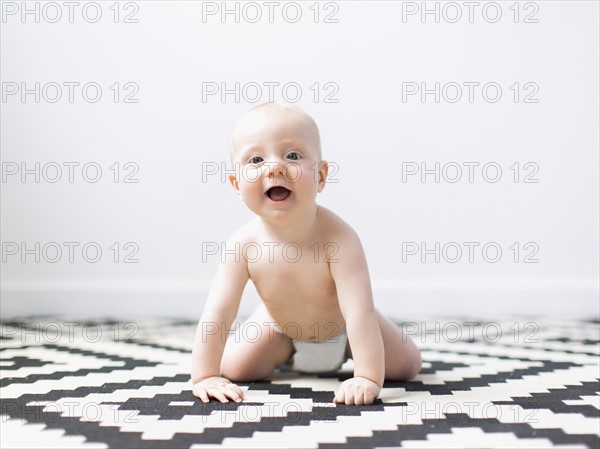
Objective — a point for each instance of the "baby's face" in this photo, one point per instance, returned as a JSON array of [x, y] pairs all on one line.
[[278, 168]]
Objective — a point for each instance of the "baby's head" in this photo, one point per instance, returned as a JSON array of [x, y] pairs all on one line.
[[275, 150], [256, 118]]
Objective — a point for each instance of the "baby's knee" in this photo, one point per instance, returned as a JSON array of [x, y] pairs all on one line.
[[404, 370], [238, 370], [416, 366]]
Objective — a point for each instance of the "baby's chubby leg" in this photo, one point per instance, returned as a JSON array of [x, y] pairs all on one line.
[[254, 358], [402, 357]]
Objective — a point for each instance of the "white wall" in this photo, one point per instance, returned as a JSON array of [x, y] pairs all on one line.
[[369, 55]]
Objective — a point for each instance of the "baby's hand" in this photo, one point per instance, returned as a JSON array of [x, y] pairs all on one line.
[[219, 388], [357, 391]]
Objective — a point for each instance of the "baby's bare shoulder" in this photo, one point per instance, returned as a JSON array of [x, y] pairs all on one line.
[[348, 253], [334, 228], [245, 234]]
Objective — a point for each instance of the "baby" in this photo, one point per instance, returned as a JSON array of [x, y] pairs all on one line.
[[307, 265]]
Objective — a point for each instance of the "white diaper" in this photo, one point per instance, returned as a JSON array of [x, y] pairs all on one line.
[[311, 357]]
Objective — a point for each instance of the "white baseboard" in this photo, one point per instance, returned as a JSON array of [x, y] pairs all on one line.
[[398, 299]]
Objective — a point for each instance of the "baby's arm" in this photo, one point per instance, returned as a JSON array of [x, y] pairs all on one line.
[[353, 285], [219, 312]]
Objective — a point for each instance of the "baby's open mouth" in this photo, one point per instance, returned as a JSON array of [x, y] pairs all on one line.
[[278, 193]]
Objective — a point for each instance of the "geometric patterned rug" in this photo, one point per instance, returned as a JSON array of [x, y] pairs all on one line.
[[519, 382]]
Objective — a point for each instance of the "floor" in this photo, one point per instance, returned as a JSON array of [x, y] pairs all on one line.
[[519, 382]]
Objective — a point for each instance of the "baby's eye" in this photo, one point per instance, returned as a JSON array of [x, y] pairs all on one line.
[[256, 160], [294, 156]]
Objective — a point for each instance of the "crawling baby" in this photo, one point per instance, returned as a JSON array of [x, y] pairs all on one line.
[[307, 265]]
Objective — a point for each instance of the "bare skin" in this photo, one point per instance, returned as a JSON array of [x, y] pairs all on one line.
[[307, 265]]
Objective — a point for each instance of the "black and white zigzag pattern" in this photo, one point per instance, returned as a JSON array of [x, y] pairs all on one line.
[[513, 383]]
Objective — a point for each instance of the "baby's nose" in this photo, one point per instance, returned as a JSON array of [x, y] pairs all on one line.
[[274, 168]]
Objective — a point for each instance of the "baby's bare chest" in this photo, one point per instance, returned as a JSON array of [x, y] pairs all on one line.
[[292, 271]]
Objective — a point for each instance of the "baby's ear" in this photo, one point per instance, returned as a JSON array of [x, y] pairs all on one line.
[[234, 184], [323, 170]]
